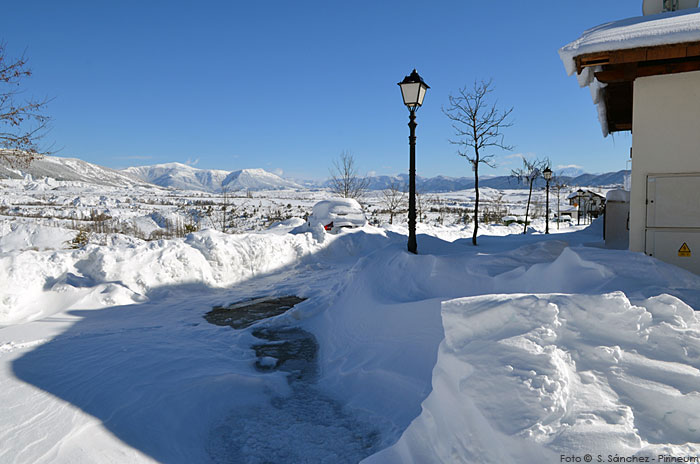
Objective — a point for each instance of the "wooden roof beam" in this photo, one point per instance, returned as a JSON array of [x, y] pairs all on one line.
[[630, 72], [638, 55]]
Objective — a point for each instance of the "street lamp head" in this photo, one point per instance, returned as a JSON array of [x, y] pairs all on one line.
[[413, 90], [547, 173]]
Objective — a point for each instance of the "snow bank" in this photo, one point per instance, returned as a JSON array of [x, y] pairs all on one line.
[[35, 284], [15, 236], [527, 378]]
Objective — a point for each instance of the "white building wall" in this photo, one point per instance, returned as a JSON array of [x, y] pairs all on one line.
[[666, 139]]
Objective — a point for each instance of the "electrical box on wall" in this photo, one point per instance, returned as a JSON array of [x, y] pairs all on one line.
[[673, 219]]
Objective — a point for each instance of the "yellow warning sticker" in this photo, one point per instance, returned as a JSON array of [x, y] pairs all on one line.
[[684, 252]]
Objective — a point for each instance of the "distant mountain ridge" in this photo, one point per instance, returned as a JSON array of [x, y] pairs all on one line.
[[183, 176], [72, 169], [180, 176], [451, 184]]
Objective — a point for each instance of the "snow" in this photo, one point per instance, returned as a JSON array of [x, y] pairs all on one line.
[[518, 350], [256, 179], [337, 213], [531, 377], [618, 195], [183, 176], [645, 31]]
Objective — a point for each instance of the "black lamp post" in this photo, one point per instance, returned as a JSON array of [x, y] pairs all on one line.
[[413, 91], [547, 173], [580, 198]]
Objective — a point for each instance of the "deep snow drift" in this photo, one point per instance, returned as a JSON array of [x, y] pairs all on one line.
[[518, 350]]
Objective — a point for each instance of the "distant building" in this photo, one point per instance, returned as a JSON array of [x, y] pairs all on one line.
[[588, 202], [644, 75]]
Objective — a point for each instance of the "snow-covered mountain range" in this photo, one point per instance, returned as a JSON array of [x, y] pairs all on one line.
[[185, 177], [72, 169], [180, 176], [450, 184]]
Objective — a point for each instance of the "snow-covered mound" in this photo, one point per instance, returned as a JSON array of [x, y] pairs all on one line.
[[527, 378], [37, 284], [180, 176], [72, 169], [256, 179]]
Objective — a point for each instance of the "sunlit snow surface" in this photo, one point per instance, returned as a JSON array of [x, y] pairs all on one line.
[[517, 350]]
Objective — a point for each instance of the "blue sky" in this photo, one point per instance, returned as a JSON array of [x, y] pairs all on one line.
[[287, 86]]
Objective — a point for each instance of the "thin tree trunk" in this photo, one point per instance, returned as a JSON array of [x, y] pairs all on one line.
[[476, 202], [527, 209]]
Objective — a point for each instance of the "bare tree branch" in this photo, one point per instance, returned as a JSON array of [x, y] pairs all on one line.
[[22, 123], [345, 180], [394, 199], [478, 126], [528, 174]]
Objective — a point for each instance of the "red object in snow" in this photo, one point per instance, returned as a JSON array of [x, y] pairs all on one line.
[[328, 226]]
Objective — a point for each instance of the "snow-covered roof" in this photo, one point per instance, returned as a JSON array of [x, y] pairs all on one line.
[[644, 31], [618, 195], [591, 193]]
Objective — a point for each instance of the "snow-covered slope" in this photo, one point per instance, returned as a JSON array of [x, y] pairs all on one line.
[[256, 179], [569, 171], [180, 176], [72, 169]]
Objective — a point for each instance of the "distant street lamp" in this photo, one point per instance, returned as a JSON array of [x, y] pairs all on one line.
[[547, 173], [579, 197], [589, 210], [413, 90]]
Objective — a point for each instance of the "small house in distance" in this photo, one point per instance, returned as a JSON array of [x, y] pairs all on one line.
[[644, 76], [588, 202]]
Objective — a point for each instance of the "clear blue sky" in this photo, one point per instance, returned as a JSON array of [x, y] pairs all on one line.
[[287, 86]]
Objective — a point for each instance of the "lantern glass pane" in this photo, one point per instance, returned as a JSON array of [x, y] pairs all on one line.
[[410, 93], [421, 93]]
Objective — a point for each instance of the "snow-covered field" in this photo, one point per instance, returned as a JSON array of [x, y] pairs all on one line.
[[520, 350]]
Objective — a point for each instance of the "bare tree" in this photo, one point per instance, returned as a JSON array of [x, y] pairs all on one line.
[[558, 186], [345, 180], [528, 174], [22, 123], [420, 205], [228, 209], [394, 199], [440, 209], [477, 124]]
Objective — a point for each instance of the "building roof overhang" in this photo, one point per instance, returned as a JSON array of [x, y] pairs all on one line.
[[618, 69], [610, 57]]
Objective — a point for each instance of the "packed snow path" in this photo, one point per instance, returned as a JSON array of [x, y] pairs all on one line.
[[260, 434], [329, 434]]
